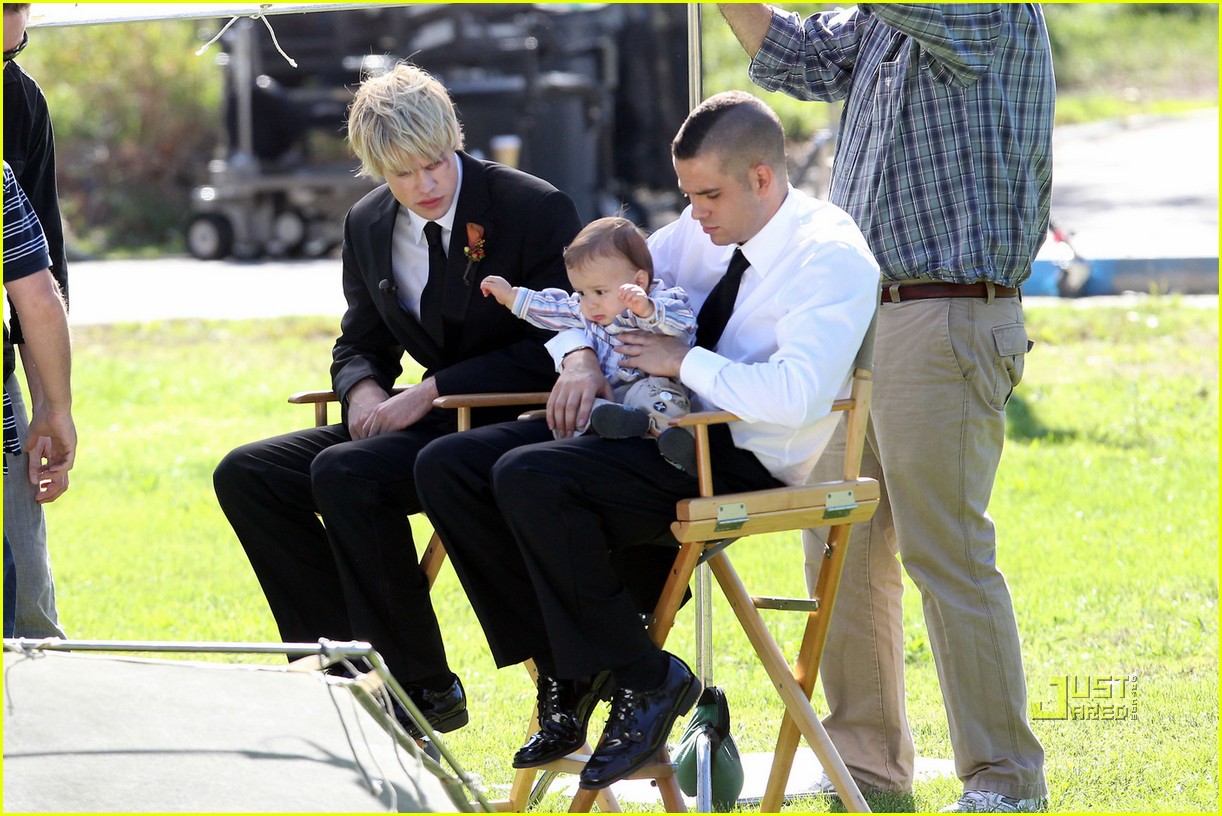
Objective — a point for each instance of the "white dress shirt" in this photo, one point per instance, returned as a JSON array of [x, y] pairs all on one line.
[[409, 254], [787, 353]]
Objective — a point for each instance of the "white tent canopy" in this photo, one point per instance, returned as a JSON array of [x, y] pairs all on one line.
[[89, 733], [63, 14]]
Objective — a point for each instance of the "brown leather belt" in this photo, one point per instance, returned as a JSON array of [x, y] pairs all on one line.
[[898, 293]]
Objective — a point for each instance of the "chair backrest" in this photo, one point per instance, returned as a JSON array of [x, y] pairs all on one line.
[[857, 406]]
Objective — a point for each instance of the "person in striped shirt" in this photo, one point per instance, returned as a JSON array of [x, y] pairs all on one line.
[[51, 442], [614, 291], [29, 148]]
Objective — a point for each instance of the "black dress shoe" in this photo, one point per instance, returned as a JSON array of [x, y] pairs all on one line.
[[445, 710], [564, 712], [638, 726]]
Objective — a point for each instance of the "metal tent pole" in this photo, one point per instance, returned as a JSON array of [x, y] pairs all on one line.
[[703, 597]]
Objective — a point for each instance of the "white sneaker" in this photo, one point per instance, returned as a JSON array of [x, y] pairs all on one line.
[[982, 801]]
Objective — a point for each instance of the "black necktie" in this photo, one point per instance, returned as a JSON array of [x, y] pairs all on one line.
[[434, 288], [715, 312]]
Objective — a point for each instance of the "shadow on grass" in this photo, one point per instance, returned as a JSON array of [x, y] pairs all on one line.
[[1023, 425], [879, 802]]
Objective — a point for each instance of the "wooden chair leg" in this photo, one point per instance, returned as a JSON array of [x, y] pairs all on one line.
[[672, 593], [583, 801], [806, 669], [519, 791], [432, 559], [782, 765], [672, 795], [607, 802], [797, 704]]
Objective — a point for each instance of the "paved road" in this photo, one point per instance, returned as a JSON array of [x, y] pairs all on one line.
[[1147, 188], [136, 291], [1142, 189]]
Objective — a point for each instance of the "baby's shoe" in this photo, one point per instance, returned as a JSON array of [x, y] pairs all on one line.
[[612, 421], [678, 447]]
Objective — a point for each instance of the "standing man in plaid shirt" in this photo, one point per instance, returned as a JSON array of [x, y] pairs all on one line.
[[944, 160]]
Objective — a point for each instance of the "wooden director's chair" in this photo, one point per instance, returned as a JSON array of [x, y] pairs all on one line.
[[434, 554], [704, 528]]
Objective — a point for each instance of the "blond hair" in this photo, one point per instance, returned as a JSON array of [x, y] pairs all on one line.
[[399, 118]]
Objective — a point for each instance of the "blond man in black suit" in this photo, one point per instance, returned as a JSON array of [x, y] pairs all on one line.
[[414, 252]]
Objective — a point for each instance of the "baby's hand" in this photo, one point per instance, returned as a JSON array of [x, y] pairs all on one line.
[[498, 288], [636, 300]]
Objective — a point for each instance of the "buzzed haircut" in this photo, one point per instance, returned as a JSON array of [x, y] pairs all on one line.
[[736, 125], [609, 237], [401, 116]]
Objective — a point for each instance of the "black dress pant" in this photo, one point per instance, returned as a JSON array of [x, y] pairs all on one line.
[[537, 528], [355, 573]]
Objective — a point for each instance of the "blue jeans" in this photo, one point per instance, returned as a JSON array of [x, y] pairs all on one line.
[[26, 529]]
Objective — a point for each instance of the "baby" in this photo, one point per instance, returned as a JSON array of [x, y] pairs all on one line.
[[611, 272]]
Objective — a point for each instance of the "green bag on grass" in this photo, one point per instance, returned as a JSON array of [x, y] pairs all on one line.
[[711, 716]]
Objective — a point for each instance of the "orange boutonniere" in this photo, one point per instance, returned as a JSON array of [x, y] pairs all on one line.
[[474, 250]]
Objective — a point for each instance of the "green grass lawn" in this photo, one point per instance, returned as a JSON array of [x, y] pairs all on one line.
[[1107, 506]]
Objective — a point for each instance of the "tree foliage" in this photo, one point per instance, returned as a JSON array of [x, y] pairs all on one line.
[[136, 117]]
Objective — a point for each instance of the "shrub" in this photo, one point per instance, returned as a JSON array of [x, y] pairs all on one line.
[[136, 116]]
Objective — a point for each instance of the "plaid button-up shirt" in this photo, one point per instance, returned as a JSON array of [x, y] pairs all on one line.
[[944, 156]]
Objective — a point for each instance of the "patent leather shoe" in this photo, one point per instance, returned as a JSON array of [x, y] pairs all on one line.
[[564, 712], [638, 726], [445, 710]]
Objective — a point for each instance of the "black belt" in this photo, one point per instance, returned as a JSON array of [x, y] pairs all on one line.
[[898, 293]]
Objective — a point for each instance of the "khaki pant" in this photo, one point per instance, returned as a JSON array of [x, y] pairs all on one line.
[[943, 372]]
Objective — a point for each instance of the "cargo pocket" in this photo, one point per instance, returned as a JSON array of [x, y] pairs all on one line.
[[1010, 341]]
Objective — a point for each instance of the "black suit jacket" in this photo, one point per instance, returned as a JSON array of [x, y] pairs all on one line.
[[527, 223]]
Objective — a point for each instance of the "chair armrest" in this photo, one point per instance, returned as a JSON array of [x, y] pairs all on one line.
[[719, 417], [321, 399], [463, 403], [703, 418], [491, 400], [699, 422], [312, 397]]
